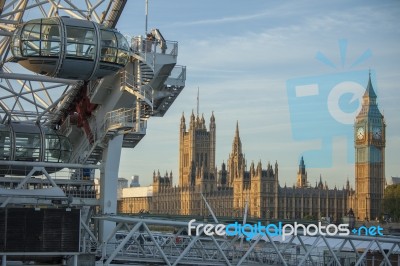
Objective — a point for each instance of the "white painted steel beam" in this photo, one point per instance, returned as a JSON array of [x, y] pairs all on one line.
[[123, 243], [16, 76], [198, 250], [157, 245], [253, 245], [49, 165], [109, 183]]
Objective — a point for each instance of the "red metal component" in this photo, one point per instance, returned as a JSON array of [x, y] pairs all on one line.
[[83, 111]]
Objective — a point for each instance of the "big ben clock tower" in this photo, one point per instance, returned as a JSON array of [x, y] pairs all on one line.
[[369, 140]]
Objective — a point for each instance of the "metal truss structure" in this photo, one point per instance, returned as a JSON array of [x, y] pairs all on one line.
[[27, 96], [141, 240], [99, 117], [95, 117]]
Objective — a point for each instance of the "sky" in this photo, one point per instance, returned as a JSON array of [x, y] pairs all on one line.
[[248, 58]]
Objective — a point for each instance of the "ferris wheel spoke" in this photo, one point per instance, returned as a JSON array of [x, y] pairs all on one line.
[[18, 11], [50, 108], [27, 88], [18, 100], [28, 96], [11, 4], [34, 98], [14, 95], [4, 44], [42, 10], [7, 29], [5, 109], [92, 10], [45, 90], [79, 14]]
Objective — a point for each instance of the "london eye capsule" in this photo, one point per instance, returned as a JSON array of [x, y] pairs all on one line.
[[26, 142], [69, 48]]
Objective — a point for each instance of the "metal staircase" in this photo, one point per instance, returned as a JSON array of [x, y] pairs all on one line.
[[145, 73], [146, 87], [97, 116]]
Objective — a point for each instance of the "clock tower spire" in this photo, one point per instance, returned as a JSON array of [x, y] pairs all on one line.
[[369, 141]]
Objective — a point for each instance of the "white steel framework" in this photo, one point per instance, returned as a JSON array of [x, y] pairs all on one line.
[[102, 116], [27, 96], [133, 241], [99, 116]]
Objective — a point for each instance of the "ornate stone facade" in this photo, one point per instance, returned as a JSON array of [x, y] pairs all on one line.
[[229, 190], [232, 187]]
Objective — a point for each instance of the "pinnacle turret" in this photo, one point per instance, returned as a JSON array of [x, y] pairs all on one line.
[[212, 118], [369, 92], [237, 130], [183, 118]]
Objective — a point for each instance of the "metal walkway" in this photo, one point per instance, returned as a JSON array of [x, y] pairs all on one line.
[[155, 241]]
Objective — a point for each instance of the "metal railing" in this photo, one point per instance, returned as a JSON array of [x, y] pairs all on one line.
[[141, 45], [38, 184], [166, 244], [120, 119], [124, 119], [177, 76], [178, 73], [142, 92]]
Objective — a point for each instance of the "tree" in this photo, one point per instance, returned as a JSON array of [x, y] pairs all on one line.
[[391, 201]]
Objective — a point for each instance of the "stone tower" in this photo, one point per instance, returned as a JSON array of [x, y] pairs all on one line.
[[236, 174], [197, 152], [302, 175], [369, 141], [236, 161]]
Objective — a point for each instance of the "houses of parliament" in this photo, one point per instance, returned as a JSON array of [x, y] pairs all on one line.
[[234, 185]]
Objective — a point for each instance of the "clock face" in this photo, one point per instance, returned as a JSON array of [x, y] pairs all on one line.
[[360, 133], [377, 133]]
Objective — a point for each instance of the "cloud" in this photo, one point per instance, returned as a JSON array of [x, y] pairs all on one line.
[[221, 20], [291, 42], [241, 61]]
